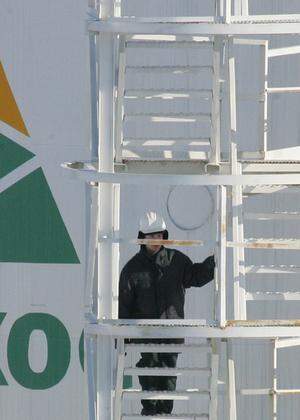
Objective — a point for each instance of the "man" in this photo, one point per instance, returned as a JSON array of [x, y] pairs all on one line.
[[152, 286]]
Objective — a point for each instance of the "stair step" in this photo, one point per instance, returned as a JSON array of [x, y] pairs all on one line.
[[167, 348], [266, 243], [168, 69], [167, 43], [167, 93], [273, 216], [168, 117], [294, 296], [172, 143], [165, 395], [272, 269], [166, 371], [166, 417]]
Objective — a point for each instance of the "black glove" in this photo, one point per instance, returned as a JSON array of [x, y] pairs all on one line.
[[210, 262]]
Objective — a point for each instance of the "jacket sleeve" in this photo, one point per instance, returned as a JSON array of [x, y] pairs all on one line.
[[126, 296], [198, 274]]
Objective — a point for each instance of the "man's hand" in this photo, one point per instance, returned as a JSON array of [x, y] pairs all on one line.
[[210, 262]]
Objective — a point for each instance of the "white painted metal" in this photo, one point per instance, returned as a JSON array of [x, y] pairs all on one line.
[[243, 26], [279, 52], [167, 348], [238, 22], [260, 243], [237, 217], [120, 91], [254, 329], [166, 371], [213, 405], [215, 153], [231, 382], [168, 93], [105, 249], [221, 255], [274, 399], [167, 417], [272, 269], [90, 175], [119, 380], [166, 395]]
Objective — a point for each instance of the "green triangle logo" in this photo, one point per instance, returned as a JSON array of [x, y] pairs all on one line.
[[11, 155], [31, 227]]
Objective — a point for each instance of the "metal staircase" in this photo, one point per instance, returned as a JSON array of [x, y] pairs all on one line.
[[209, 372], [147, 128], [144, 140]]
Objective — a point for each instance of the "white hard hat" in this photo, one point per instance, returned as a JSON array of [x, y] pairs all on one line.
[[152, 222]]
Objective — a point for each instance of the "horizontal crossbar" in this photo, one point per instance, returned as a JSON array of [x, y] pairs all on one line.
[[166, 395], [91, 175], [188, 27], [165, 371]]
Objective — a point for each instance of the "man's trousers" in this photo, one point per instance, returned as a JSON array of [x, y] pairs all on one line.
[[157, 383]]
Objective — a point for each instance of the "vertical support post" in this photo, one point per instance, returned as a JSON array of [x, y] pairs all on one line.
[[221, 8], [105, 248], [231, 382], [264, 97], [245, 7], [237, 7], [213, 406], [119, 380], [237, 197], [228, 11], [215, 125], [274, 385], [91, 377], [92, 246], [120, 99], [116, 250], [221, 263]]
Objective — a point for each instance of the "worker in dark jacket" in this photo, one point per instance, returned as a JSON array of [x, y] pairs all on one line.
[[152, 286]]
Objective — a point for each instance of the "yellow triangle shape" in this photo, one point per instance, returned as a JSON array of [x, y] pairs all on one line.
[[9, 111]]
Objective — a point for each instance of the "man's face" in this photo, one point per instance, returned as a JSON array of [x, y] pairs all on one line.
[[152, 249]]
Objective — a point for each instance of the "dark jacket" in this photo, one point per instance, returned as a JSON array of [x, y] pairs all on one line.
[[153, 287]]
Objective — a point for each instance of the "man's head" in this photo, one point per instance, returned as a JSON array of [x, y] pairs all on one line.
[[152, 226]]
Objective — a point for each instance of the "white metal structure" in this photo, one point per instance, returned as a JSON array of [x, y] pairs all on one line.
[[151, 160]]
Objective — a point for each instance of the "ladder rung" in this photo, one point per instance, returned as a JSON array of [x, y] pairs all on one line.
[[279, 52], [287, 391], [170, 117], [270, 189], [295, 296], [262, 243], [142, 43], [165, 395], [255, 391], [273, 216], [287, 89], [287, 343], [167, 93], [168, 69], [168, 242], [166, 348], [272, 269], [172, 38], [272, 18], [166, 417], [165, 371], [171, 142]]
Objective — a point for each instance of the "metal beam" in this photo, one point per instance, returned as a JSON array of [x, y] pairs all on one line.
[[127, 26]]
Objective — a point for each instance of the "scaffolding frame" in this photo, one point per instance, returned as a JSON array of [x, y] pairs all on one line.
[[108, 34]]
